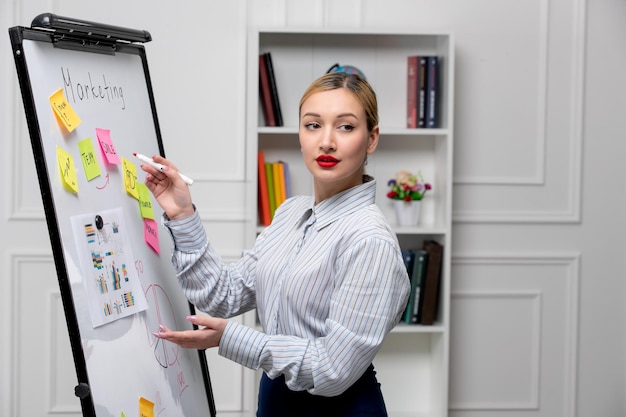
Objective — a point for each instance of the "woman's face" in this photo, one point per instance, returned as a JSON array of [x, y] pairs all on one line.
[[335, 141]]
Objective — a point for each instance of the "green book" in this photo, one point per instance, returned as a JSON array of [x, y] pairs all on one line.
[[412, 312], [269, 172]]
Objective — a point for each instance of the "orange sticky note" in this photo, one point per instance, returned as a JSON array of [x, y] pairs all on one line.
[[130, 177], [146, 408], [89, 159], [151, 234], [106, 144], [68, 170], [64, 112]]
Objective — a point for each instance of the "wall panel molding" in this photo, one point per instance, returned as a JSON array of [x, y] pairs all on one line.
[[528, 395], [491, 287], [551, 191]]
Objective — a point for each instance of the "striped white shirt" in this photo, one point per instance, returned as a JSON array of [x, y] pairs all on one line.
[[328, 282]]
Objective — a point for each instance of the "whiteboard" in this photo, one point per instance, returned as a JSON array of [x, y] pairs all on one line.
[[98, 232]]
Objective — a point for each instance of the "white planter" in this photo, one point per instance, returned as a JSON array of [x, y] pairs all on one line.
[[407, 213]]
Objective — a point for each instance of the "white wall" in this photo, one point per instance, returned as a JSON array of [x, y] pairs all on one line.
[[538, 265]]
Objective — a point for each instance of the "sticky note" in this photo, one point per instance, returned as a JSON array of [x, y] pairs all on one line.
[[145, 204], [151, 234], [88, 156], [146, 408], [130, 177], [68, 170], [63, 111], [106, 144]]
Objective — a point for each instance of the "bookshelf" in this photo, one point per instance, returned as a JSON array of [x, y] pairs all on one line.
[[414, 353]]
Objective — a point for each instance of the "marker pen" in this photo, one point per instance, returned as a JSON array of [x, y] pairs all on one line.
[[160, 167]]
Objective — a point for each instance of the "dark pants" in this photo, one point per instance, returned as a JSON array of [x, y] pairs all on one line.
[[364, 398]]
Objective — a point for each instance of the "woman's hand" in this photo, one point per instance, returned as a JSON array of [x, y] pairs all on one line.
[[170, 191], [205, 337]]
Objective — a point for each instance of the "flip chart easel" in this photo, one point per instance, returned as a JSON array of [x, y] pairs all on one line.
[[89, 106]]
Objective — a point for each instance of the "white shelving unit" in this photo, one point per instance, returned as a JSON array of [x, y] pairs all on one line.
[[413, 363]]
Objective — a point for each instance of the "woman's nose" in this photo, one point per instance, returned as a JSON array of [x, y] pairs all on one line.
[[327, 140]]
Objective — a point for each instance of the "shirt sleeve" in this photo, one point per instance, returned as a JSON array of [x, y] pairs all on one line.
[[219, 289], [369, 300]]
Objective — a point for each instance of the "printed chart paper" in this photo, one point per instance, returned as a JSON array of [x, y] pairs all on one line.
[[106, 260]]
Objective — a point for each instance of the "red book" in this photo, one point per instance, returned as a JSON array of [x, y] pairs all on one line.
[[411, 91], [264, 203], [265, 93]]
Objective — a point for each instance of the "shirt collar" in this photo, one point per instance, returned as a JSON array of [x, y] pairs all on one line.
[[342, 204]]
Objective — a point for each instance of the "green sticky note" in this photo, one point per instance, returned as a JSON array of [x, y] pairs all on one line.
[[89, 159], [145, 204]]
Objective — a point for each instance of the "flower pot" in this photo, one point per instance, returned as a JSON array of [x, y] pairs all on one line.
[[407, 212]]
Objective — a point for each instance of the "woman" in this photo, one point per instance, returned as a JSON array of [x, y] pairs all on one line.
[[326, 277]]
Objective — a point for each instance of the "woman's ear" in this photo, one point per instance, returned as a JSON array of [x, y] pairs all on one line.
[[373, 139]]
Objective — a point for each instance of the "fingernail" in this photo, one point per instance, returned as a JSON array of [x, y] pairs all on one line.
[[166, 168], [161, 328], [191, 318], [159, 335]]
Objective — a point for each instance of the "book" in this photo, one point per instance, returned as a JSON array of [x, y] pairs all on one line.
[[287, 179], [269, 173], [432, 92], [281, 177], [273, 89], [411, 91], [265, 93], [421, 91], [278, 198], [432, 282], [409, 258], [412, 312], [263, 198]]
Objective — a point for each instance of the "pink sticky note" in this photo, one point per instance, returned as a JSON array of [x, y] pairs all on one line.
[[151, 234], [104, 138]]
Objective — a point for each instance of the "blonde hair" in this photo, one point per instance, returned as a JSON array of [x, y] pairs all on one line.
[[352, 82]]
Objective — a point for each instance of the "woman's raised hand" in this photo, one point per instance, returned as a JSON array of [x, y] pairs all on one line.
[[169, 189]]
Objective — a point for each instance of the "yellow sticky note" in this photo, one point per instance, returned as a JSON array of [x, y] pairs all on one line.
[[146, 408], [130, 177], [145, 204], [88, 156], [68, 170], [64, 112]]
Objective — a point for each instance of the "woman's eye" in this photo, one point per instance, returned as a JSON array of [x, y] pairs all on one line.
[[347, 128], [311, 125]]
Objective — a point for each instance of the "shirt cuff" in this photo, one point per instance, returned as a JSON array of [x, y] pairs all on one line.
[[242, 344], [188, 233]]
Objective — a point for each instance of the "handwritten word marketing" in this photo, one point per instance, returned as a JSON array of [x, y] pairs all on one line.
[[88, 88]]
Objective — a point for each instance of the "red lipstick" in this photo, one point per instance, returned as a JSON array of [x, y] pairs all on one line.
[[326, 161]]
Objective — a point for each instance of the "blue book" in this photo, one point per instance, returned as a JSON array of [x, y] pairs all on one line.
[[432, 92], [287, 179]]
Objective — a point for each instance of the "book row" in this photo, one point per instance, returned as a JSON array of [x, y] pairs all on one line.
[[423, 85], [274, 187], [424, 268]]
